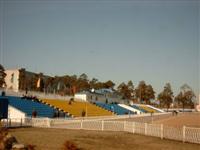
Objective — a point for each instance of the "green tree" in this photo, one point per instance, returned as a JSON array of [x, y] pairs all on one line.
[[186, 97], [22, 79], [140, 91], [34, 81], [144, 93], [149, 94], [131, 88], [166, 96], [83, 77], [125, 90], [49, 85], [83, 82], [41, 86], [109, 84], [93, 83], [2, 76]]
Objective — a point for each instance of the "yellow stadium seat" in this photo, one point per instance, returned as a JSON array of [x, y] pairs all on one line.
[[148, 109], [76, 108]]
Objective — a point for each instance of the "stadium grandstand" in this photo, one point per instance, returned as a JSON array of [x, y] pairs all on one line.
[[59, 106]]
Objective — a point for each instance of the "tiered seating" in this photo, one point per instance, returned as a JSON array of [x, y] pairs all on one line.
[[76, 108], [114, 108], [148, 109], [28, 106], [139, 108]]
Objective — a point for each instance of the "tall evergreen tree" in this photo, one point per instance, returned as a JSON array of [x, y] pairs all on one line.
[[186, 97], [166, 96], [2, 76]]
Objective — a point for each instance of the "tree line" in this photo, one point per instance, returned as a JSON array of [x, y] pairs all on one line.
[[69, 85]]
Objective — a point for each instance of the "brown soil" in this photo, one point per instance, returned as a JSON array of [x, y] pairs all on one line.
[[182, 119], [53, 139], [189, 120]]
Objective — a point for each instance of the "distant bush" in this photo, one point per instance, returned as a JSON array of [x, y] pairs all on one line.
[[6, 140], [9, 142], [31, 147], [69, 145]]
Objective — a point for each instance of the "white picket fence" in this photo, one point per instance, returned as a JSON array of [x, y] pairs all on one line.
[[184, 134]]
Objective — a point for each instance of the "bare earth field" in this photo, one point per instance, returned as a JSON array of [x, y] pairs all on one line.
[[187, 119], [53, 139]]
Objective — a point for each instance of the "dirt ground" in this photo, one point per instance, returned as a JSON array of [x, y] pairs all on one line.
[[183, 119], [53, 139], [189, 120]]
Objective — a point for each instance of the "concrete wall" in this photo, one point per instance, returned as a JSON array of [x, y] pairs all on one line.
[[12, 79], [15, 113]]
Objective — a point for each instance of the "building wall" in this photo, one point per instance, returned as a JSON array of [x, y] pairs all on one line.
[[93, 97], [82, 97], [12, 79]]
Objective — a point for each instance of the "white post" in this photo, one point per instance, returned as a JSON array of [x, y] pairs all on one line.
[[124, 125], [161, 131], [145, 129], [102, 127], [48, 123], [133, 126], [81, 123], [184, 133]]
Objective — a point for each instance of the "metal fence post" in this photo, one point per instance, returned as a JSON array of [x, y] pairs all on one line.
[[133, 126], [161, 131], [102, 127], [184, 133]]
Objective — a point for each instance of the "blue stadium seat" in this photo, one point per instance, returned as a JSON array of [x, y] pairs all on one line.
[[138, 108], [114, 108], [28, 106]]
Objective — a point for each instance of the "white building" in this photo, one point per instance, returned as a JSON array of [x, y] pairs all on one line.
[[81, 96], [101, 95], [12, 79], [20, 79]]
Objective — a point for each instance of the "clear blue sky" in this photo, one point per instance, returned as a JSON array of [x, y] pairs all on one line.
[[156, 41]]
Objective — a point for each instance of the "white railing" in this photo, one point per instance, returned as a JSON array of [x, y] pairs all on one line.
[[184, 134], [16, 122], [192, 135]]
